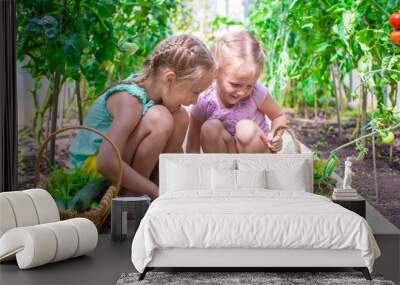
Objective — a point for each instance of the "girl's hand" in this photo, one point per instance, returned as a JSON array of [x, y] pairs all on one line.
[[174, 109], [153, 196], [273, 143]]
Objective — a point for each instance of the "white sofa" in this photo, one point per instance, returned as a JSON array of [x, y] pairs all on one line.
[[31, 231]]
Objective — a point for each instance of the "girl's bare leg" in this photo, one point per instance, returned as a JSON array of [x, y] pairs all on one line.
[[181, 124], [248, 137], [148, 140], [175, 141], [215, 139]]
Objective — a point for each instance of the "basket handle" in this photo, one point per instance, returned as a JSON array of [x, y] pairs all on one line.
[[292, 135], [44, 145]]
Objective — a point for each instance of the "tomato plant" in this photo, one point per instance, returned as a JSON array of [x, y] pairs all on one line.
[[313, 46], [307, 40]]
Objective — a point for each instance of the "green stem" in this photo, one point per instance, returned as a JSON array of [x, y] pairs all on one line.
[[382, 69], [380, 8], [360, 138]]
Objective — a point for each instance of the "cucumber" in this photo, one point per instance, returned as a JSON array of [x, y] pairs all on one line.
[[88, 194]]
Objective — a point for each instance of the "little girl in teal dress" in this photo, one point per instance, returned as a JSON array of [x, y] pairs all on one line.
[[87, 144], [143, 116]]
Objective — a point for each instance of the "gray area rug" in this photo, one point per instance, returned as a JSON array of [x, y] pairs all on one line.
[[273, 278]]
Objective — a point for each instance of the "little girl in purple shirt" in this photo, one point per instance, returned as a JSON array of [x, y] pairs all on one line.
[[231, 116]]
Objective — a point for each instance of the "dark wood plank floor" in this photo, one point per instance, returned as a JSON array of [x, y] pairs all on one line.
[[102, 266], [110, 259]]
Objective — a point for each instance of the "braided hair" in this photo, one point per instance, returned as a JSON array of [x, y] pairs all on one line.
[[184, 54]]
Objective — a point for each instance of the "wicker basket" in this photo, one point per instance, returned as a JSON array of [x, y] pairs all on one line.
[[100, 213], [292, 135]]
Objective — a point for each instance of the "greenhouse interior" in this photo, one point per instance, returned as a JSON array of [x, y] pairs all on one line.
[[200, 142]]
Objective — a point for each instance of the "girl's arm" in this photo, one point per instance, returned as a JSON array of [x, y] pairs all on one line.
[[274, 112], [126, 112], [277, 116], [193, 142]]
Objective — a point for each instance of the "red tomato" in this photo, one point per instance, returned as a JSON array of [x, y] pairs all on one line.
[[395, 37], [394, 20]]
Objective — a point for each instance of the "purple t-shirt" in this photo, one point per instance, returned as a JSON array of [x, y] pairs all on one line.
[[207, 108]]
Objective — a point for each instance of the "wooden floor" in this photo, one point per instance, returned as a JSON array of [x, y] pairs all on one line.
[[102, 266], [387, 236], [110, 259]]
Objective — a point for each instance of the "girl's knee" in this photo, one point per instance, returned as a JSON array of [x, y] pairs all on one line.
[[159, 119], [211, 130], [245, 131]]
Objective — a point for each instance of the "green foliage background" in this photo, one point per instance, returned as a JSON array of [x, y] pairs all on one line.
[[305, 39], [97, 42], [93, 42]]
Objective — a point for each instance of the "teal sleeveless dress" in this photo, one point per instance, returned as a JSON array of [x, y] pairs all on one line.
[[87, 143]]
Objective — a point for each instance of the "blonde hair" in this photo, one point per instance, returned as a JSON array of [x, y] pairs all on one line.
[[184, 54], [238, 45]]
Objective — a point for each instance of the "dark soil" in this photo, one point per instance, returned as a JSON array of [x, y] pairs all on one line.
[[322, 136], [28, 151]]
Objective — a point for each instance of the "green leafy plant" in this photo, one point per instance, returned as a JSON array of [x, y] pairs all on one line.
[[63, 184], [385, 121], [312, 45], [88, 41], [382, 119], [323, 170]]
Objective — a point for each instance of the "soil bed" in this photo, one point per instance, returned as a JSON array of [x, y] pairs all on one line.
[[322, 136]]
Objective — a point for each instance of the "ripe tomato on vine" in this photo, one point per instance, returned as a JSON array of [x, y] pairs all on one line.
[[394, 20], [395, 37]]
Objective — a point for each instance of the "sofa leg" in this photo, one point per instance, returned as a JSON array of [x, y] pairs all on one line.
[[364, 271]]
